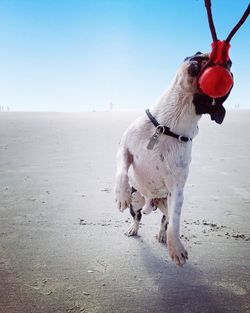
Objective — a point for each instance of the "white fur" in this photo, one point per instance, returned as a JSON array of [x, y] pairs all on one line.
[[147, 208], [161, 172]]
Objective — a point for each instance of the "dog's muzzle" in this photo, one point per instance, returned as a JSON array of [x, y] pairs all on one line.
[[197, 62]]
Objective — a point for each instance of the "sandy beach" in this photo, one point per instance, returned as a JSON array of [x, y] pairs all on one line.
[[62, 242]]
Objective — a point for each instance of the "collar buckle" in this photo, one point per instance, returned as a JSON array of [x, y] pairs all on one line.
[[161, 129]]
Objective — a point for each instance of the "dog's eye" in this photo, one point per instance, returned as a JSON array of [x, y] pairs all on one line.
[[194, 68]]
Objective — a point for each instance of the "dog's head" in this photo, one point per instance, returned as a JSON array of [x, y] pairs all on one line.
[[189, 71], [203, 103]]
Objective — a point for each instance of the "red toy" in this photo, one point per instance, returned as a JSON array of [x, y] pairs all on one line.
[[215, 80]]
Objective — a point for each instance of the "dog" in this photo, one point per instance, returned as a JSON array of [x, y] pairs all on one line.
[[155, 153]]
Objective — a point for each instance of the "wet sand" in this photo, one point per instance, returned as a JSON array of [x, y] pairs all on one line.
[[62, 242]]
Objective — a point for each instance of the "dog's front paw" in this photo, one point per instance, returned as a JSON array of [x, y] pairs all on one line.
[[123, 201], [123, 198], [176, 250], [123, 195]]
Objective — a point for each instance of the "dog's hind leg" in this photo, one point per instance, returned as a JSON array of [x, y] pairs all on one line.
[[162, 205], [136, 205]]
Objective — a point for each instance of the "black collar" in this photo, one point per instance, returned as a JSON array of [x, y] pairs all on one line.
[[165, 130]]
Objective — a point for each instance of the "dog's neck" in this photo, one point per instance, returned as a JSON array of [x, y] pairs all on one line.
[[175, 109]]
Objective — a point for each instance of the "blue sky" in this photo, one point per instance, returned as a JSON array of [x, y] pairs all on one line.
[[78, 55]]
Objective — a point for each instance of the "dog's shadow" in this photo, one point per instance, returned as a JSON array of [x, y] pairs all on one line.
[[173, 289]]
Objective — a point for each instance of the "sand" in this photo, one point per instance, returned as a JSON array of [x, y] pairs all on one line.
[[62, 242]]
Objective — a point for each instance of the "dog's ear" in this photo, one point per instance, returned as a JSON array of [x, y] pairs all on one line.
[[218, 113], [204, 105], [193, 56]]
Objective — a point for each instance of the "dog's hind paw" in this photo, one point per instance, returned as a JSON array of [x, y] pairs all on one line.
[[162, 237], [133, 230]]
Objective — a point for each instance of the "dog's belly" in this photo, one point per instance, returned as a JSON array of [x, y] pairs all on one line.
[[154, 174], [150, 183]]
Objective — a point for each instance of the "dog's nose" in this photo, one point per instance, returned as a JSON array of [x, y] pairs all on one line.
[[194, 68]]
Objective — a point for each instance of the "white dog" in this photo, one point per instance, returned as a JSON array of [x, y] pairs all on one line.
[[155, 152]]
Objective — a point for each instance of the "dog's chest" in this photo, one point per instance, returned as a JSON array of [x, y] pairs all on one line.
[[154, 172]]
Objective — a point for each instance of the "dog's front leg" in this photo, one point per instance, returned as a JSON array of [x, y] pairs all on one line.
[[175, 247], [122, 188]]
